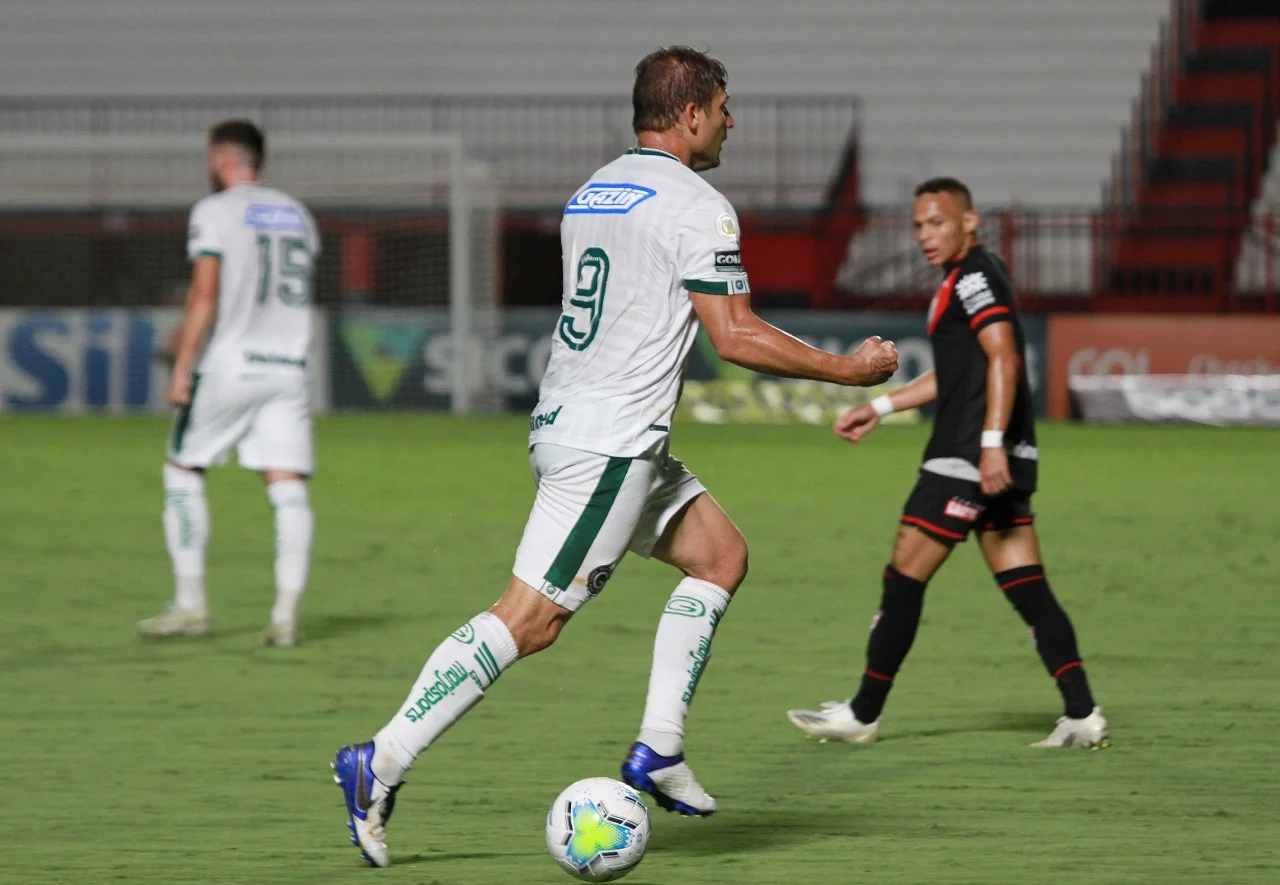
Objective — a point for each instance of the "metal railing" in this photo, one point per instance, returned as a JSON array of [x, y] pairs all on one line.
[[1057, 257], [1068, 254], [781, 155]]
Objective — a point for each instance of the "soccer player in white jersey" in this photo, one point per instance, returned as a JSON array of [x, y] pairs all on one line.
[[252, 250], [650, 249]]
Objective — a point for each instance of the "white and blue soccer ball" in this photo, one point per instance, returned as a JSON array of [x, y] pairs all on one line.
[[597, 829]]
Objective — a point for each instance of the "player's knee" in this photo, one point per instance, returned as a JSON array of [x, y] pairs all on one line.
[[534, 638], [727, 566], [532, 628], [901, 592], [917, 554], [178, 475]]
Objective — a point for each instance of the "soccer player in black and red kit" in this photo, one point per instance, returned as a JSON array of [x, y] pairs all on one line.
[[978, 475]]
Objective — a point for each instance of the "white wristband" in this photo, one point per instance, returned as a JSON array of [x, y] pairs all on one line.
[[993, 439], [883, 405]]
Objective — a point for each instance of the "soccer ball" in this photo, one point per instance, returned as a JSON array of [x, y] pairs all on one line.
[[597, 829]]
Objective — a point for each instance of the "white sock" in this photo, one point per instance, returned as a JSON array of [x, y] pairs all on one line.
[[681, 650], [186, 533], [452, 682], [295, 525]]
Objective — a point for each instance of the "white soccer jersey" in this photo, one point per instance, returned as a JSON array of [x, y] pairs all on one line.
[[640, 235], [268, 244]]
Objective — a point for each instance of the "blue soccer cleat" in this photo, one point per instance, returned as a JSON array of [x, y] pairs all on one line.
[[369, 801], [668, 779]]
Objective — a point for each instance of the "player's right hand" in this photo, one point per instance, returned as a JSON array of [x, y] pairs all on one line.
[[179, 392], [875, 361], [856, 423]]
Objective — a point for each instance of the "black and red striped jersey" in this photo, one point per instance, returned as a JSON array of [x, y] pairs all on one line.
[[975, 294]]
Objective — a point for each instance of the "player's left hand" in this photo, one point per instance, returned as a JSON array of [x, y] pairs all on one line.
[[993, 466], [856, 423], [179, 392]]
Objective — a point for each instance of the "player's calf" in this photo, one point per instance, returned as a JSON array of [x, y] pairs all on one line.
[[1028, 592], [295, 526], [186, 534], [892, 634], [533, 620]]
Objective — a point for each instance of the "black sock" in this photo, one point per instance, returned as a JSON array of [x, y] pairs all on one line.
[[894, 630], [1028, 591]]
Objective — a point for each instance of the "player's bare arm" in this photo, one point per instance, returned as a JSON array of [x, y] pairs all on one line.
[[856, 423], [744, 339], [1003, 365], [202, 307]]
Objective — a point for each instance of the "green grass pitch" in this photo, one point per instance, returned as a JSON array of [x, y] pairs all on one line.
[[207, 760]]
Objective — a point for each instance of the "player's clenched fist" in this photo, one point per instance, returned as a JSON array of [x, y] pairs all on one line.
[[875, 361]]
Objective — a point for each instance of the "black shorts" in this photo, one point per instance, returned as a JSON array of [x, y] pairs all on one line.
[[947, 508]]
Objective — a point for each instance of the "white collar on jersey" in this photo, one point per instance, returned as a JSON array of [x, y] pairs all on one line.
[[651, 152]]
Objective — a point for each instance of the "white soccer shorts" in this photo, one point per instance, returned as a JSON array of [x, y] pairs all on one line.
[[265, 417], [589, 511]]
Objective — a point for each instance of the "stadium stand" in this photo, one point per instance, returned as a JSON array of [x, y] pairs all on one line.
[[1194, 159], [1024, 98]]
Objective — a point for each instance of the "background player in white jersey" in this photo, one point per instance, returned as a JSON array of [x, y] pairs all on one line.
[[649, 250], [252, 250]]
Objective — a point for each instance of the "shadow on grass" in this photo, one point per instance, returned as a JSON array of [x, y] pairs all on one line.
[[738, 833], [334, 626], [312, 629], [452, 855], [1024, 721]]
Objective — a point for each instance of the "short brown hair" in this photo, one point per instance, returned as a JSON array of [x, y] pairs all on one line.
[[944, 185], [243, 134], [669, 78]]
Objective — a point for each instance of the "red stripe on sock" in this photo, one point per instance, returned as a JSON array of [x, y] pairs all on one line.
[[874, 675], [1039, 577], [1065, 667], [915, 520]]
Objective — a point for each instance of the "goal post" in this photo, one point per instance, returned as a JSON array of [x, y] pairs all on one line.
[[420, 194]]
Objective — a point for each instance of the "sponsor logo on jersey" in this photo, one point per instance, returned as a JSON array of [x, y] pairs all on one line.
[[959, 508], [974, 292], [608, 199], [274, 359], [273, 217], [729, 262], [544, 419], [726, 227]]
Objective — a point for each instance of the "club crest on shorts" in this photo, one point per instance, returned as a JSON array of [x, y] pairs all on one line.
[[598, 578]]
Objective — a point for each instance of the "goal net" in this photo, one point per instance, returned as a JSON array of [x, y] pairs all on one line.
[[408, 221]]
